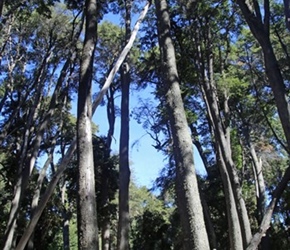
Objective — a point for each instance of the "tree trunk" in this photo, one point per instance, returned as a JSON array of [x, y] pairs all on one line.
[[124, 173], [106, 223], [36, 195], [265, 224], [65, 219], [45, 197], [188, 199], [261, 31], [1, 7], [208, 223], [87, 210], [260, 192], [234, 230], [106, 234]]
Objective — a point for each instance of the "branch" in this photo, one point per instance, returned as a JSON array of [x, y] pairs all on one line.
[[255, 23], [265, 224]]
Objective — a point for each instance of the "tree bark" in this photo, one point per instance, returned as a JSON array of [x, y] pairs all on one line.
[[208, 223], [44, 199], [1, 7], [124, 172], [87, 210], [234, 230], [65, 219], [265, 224], [188, 199]]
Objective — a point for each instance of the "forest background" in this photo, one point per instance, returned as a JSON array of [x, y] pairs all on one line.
[[210, 75]]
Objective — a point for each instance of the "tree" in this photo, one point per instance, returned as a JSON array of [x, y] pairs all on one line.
[[124, 173], [189, 204], [87, 210]]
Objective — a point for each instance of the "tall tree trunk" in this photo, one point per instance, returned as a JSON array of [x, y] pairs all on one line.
[[1, 7], [106, 223], [240, 202], [260, 193], [87, 210], [235, 234], [65, 218], [208, 223], [188, 199], [124, 173], [36, 196]]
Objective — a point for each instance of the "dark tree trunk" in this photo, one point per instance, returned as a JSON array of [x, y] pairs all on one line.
[[106, 223], [124, 173]]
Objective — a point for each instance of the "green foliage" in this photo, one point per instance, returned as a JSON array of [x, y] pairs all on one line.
[[150, 220]]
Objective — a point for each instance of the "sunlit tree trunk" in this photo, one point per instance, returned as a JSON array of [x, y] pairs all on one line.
[[87, 210], [188, 199], [234, 228], [65, 218], [43, 125], [260, 186], [36, 196]]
